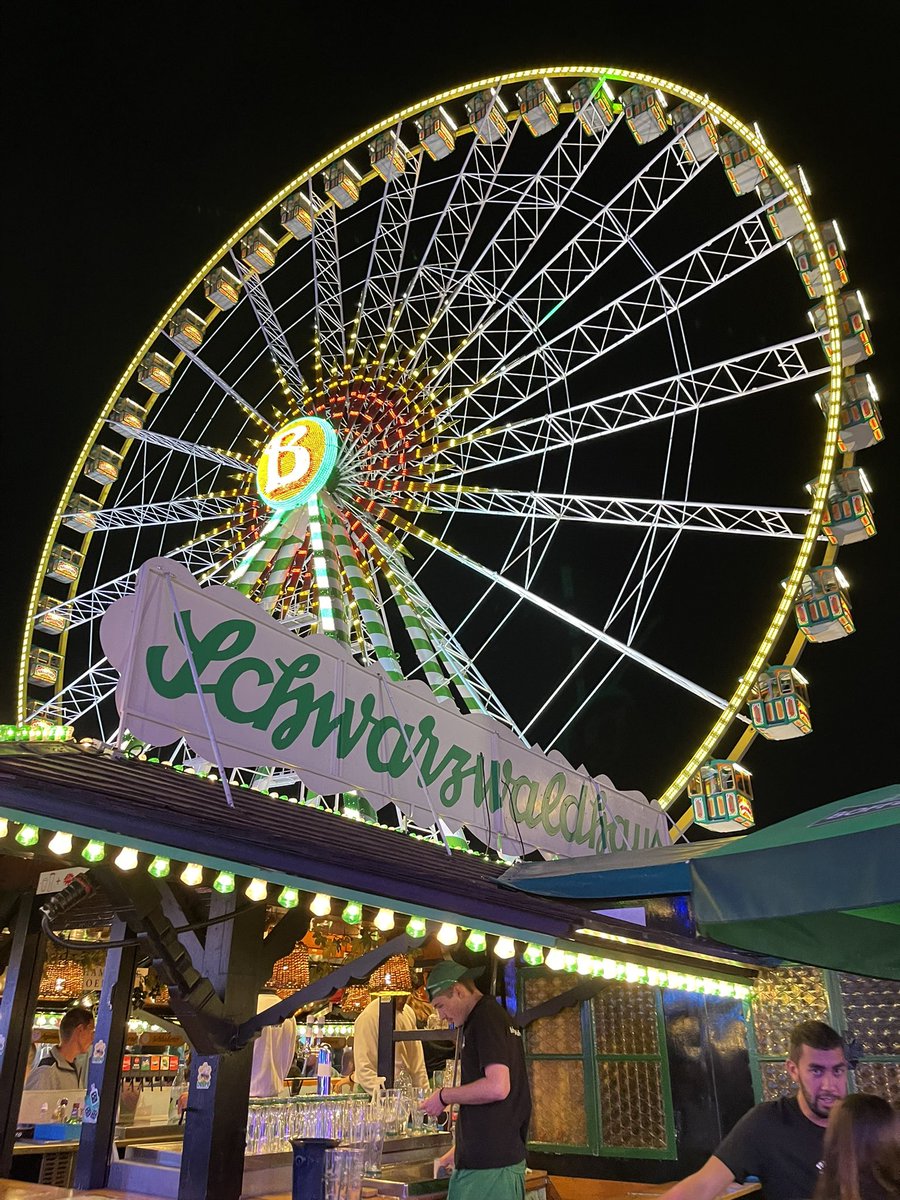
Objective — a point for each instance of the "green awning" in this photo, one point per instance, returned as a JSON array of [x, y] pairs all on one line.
[[820, 888]]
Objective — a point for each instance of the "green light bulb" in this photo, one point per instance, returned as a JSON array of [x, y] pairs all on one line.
[[224, 882], [27, 835], [352, 913], [289, 897], [160, 867], [416, 927], [476, 942], [93, 851], [533, 955]]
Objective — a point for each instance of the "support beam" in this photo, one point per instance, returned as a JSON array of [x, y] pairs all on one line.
[[104, 1075], [386, 1022], [23, 977], [212, 1160]]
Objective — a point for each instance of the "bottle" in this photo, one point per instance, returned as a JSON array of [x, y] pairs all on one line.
[[75, 1115], [62, 1108], [179, 1085], [323, 1070]]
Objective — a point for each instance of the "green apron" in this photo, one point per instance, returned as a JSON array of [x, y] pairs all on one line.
[[497, 1183]]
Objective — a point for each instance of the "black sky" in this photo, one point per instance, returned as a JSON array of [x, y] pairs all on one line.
[[138, 138]]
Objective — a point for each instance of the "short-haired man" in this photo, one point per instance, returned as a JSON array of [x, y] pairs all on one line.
[[64, 1067], [781, 1142], [493, 1096]]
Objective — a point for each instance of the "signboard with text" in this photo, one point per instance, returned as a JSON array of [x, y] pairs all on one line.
[[304, 703]]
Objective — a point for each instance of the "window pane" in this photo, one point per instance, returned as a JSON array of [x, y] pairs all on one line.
[[557, 1093], [625, 1019], [632, 1111]]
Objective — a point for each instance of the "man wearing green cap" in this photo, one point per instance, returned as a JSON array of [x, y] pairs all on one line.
[[494, 1097]]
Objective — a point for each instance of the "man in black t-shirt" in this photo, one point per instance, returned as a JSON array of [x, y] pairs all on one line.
[[780, 1142], [494, 1097]]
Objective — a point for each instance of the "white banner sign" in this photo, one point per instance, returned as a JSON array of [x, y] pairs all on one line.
[[273, 699]]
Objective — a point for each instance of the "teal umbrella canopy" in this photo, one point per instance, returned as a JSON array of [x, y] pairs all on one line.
[[821, 888]]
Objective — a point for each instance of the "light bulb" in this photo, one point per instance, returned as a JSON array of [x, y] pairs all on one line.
[[160, 867], [476, 941], [570, 962], [27, 835], [556, 960], [224, 883], [384, 920], [288, 897], [256, 889], [126, 859], [4, 827], [61, 843], [505, 947], [583, 964], [352, 913], [448, 935], [320, 905], [93, 851], [533, 955], [192, 874], [416, 927]]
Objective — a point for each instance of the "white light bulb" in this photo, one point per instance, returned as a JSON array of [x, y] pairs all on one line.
[[320, 905], [555, 959], [505, 947], [60, 843], [384, 920], [127, 859], [448, 935], [192, 874], [257, 889]]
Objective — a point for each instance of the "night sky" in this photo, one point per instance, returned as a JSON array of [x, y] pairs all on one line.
[[134, 149]]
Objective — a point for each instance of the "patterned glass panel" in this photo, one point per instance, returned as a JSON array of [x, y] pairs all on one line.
[[881, 1078], [775, 1080], [625, 1019], [559, 1034], [558, 1117], [632, 1111], [871, 1014], [783, 999]]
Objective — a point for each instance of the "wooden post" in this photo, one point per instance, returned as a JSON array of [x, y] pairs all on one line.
[[212, 1160], [23, 977], [386, 1023], [104, 1066]]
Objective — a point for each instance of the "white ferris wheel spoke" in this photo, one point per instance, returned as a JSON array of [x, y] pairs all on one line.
[[327, 291], [598, 635], [168, 512], [226, 387], [601, 236], [686, 392], [82, 696], [690, 277], [274, 335], [686, 515], [184, 447]]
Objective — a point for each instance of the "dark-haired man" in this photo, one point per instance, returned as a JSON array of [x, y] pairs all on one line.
[[494, 1097], [64, 1067], [781, 1141]]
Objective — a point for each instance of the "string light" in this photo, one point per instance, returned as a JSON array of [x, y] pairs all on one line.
[[94, 851], [192, 874], [27, 835], [384, 920], [60, 843], [127, 858], [256, 889], [416, 927], [224, 882], [556, 960], [160, 867], [352, 913], [448, 935], [505, 947], [533, 955], [320, 905], [288, 897], [4, 827], [476, 941]]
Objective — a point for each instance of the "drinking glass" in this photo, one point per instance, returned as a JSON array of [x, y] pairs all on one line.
[[344, 1167], [374, 1140], [416, 1115]]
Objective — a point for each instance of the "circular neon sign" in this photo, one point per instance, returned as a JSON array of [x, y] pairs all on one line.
[[297, 462]]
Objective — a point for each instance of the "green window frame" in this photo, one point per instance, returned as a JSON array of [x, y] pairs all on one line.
[[591, 1061]]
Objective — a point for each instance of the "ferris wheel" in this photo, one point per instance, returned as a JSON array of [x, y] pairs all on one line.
[[509, 393]]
